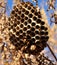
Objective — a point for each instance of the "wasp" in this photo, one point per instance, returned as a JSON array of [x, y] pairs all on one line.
[[51, 4], [54, 16]]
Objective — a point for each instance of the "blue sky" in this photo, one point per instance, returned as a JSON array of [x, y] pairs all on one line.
[[10, 2]]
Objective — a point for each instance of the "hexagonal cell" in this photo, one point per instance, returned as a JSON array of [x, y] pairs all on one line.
[[21, 26], [25, 29], [13, 12], [32, 34], [29, 20], [42, 32], [26, 12], [38, 21], [28, 26], [22, 15], [23, 10], [29, 7], [37, 32], [25, 5], [34, 18], [33, 24], [33, 29], [22, 20], [32, 10], [37, 37], [37, 26], [26, 18]]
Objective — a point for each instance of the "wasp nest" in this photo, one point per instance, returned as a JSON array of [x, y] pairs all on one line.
[[26, 29]]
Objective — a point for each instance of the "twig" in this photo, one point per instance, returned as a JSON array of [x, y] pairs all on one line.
[[52, 52]]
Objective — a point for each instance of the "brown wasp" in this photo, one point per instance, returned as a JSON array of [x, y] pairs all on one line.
[[51, 4], [54, 16]]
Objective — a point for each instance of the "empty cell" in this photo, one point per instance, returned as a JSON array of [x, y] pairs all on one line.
[[14, 7], [19, 12], [46, 33], [37, 26], [17, 38], [17, 33], [26, 12], [22, 20], [32, 34], [46, 28], [36, 13], [39, 16], [23, 10], [42, 22], [37, 32], [28, 27], [25, 5], [15, 24], [38, 21], [30, 15], [18, 17], [21, 41], [21, 25], [26, 18], [12, 27], [38, 42], [32, 29], [13, 12], [42, 37], [29, 7], [29, 20], [14, 30], [22, 15], [16, 10], [42, 32], [17, 28], [33, 24], [18, 22], [32, 10], [47, 37], [21, 36], [20, 31], [24, 34], [9, 19], [33, 39], [37, 37], [14, 19], [34, 18], [15, 41], [25, 28], [25, 23], [42, 27], [28, 32], [28, 37]]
